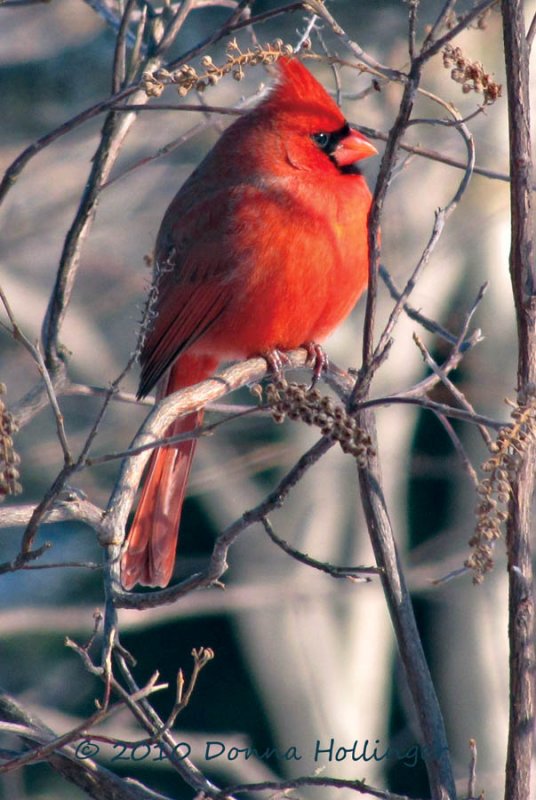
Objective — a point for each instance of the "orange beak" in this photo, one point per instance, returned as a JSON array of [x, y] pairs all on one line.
[[353, 148]]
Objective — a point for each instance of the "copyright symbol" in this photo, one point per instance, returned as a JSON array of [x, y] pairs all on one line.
[[87, 749]]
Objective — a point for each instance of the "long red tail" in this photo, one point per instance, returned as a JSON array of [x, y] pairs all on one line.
[[149, 558]]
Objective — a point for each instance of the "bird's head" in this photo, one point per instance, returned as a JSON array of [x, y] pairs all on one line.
[[312, 127]]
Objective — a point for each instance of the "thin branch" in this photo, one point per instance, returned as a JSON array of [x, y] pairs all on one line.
[[114, 131], [412, 399], [174, 26], [69, 509], [441, 18], [428, 324], [282, 787], [461, 25], [531, 33], [35, 353], [120, 52], [323, 12], [453, 389], [441, 217], [154, 725], [177, 404], [400, 607], [306, 34], [138, 49], [458, 446], [93, 779], [352, 573], [412, 27], [371, 133]]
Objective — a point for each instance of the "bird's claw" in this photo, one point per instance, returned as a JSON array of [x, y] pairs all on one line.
[[317, 357], [276, 359]]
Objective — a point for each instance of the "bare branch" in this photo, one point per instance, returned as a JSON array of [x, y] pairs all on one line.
[[445, 380], [71, 509], [89, 776], [35, 353], [519, 529], [352, 573], [361, 787]]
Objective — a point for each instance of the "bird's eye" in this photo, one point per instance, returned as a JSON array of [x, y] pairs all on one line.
[[321, 139]]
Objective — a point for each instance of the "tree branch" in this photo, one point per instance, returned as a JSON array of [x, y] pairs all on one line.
[[519, 534]]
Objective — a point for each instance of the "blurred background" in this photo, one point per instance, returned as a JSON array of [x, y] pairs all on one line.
[[302, 661]]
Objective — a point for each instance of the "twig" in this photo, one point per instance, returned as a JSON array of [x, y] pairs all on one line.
[[372, 133], [137, 53], [384, 178], [201, 657], [407, 635], [282, 787], [434, 155], [70, 508], [115, 129], [428, 324], [431, 49], [323, 12], [445, 380], [409, 398], [34, 351], [531, 33], [120, 52], [352, 573], [305, 35], [444, 12], [174, 26], [413, 7], [458, 446], [149, 719], [441, 217], [90, 777]]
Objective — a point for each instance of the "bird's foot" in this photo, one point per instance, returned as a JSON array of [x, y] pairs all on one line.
[[276, 360], [318, 358]]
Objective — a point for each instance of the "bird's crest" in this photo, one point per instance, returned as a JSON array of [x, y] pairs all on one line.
[[295, 90]]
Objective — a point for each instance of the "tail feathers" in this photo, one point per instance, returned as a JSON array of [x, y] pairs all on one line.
[[149, 557], [152, 543]]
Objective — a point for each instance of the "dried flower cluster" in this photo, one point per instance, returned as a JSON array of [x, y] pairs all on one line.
[[470, 74], [502, 468], [297, 401], [9, 459], [186, 78]]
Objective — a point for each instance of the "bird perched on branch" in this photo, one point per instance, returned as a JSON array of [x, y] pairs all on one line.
[[263, 249]]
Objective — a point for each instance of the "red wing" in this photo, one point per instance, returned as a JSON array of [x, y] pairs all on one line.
[[191, 282]]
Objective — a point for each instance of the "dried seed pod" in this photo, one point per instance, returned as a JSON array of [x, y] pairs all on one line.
[[495, 490], [9, 458], [300, 402]]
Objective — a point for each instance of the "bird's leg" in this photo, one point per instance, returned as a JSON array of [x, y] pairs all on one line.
[[318, 358], [276, 359]]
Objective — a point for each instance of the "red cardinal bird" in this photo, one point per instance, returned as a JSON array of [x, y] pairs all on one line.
[[264, 248]]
